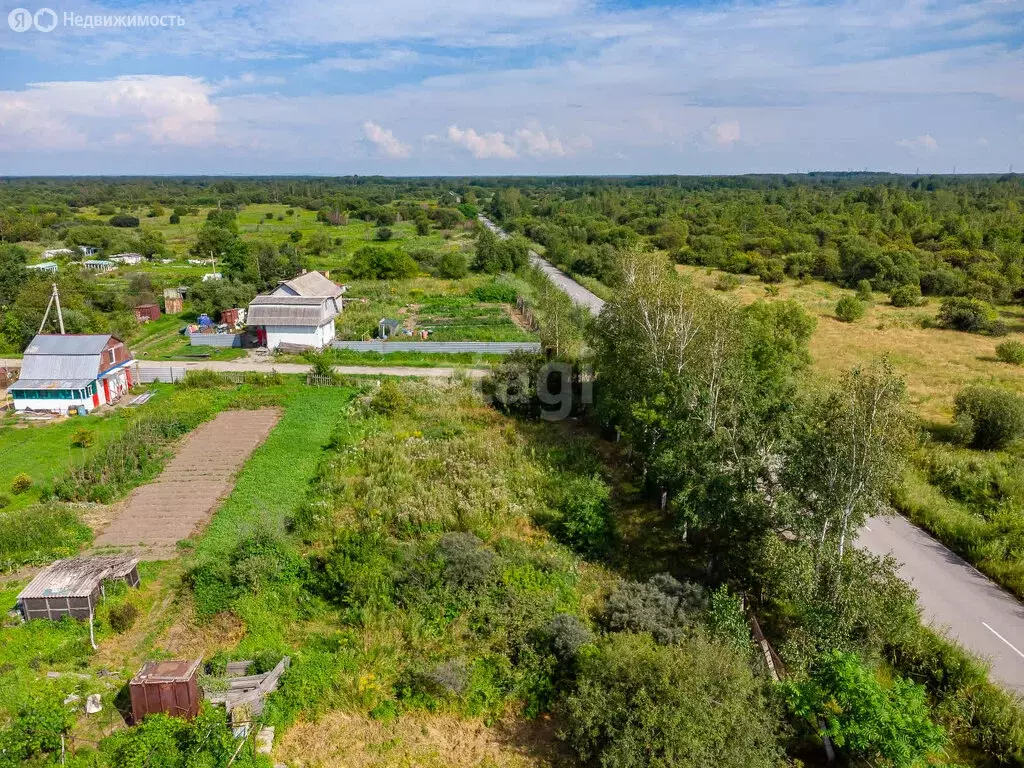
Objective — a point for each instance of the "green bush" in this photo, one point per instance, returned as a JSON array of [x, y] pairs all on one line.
[[888, 726], [771, 271], [688, 706], [663, 607], [389, 398], [962, 313], [727, 281], [384, 234], [988, 418], [849, 309], [83, 438], [905, 296], [122, 617], [35, 731], [21, 483], [1011, 352], [864, 292], [4, 500], [40, 534], [467, 561], [453, 266], [375, 263], [565, 634], [498, 290], [583, 519]]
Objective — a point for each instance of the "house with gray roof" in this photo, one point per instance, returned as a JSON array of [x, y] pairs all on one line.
[[60, 372], [306, 321], [310, 284]]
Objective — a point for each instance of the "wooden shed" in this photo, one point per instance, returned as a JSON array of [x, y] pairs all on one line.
[[74, 587], [171, 687], [172, 301]]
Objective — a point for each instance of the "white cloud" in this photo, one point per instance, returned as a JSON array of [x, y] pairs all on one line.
[[482, 145], [385, 141], [385, 60], [166, 110], [537, 143], [725, 134], [923, 143]]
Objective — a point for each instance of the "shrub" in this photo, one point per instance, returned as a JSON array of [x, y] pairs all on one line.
[[727, 281], [35, 730], [966, 314], [449, 677], [124, 220], [512, 384], [468, 562], [384, 234], [864, 292], [888, 726], [320, 363], [771, 271], [689, 706], [40, 534], [498, 290], [453, 266], [83, 438], [175, 219], [122, 617], [4, 500], [375, 263], [1011, 352], [905, 296], [988, 418], [566, 634], [849, 309], [660, 607], [21, 483], [388, 399], [583, 519]]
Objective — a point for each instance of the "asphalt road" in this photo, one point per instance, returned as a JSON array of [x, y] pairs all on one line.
[[574, 290], [954, 596]]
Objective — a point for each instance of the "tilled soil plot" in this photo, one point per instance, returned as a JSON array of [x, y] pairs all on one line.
[[157, 515]]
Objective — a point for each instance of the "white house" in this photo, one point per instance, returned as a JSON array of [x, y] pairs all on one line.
[[43, 266], [128, 258], [304, 320], [60, 372], [212, 276]]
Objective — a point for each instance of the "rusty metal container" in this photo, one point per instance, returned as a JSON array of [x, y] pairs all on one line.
[[145, 312], [171, 687], [229, 316]]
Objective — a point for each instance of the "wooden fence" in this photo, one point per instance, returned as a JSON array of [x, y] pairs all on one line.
[[316, 380]]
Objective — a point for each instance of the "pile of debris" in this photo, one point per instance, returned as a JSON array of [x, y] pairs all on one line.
[[245, 695]]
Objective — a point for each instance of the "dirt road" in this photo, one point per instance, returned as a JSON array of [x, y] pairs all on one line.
[[157, 515]]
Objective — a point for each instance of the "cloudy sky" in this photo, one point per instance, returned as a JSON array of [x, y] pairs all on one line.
[[515, 87]]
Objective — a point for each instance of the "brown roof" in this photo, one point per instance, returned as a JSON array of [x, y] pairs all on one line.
[[309, 284], [77, 577]]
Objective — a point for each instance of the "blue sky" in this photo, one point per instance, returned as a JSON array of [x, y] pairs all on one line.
[[451, 87]]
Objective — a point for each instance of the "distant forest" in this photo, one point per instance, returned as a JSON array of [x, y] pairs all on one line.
[[946, 235]]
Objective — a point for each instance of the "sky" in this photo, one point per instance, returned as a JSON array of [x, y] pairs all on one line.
[[484, 87]]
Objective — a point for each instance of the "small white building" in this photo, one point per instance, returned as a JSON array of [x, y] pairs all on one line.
[[88, 250], [66, 371], [303, 320], [53, 253], [128, 258], [99, 265], [212, 276], [43, 266]]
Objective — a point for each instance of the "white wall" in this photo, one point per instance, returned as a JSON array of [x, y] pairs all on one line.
[[290, 334], [60, 406]]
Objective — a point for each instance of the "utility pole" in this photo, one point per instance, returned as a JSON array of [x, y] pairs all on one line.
[[54, 299]]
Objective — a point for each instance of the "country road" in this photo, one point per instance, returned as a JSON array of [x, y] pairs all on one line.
[[248, 364], [954, 597]]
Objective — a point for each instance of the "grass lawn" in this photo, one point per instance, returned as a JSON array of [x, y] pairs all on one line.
[[410, 359], [935, 362]]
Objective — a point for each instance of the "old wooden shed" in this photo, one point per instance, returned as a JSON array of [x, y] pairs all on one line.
[[74, 587], [171, 687]]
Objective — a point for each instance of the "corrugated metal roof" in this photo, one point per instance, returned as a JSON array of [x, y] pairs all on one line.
[[34, 384], [309, 284], [77, 576], [305, 311], [68, 344]]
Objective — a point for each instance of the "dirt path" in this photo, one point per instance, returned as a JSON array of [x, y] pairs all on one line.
[[159, 514]]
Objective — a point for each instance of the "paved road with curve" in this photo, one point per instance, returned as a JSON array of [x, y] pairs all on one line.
[[954, 596]]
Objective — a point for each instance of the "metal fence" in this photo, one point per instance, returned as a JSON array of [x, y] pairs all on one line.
[[481, 347], [219, 340], [170, 374], [315, 380]]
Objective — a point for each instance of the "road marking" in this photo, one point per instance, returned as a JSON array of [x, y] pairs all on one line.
[[1003, 639], [867, 528]]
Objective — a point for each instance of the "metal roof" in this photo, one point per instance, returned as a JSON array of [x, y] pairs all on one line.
[[78, 576], [166, 671], [309, 284], [34, 384], [304, 311], [67, 344]]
